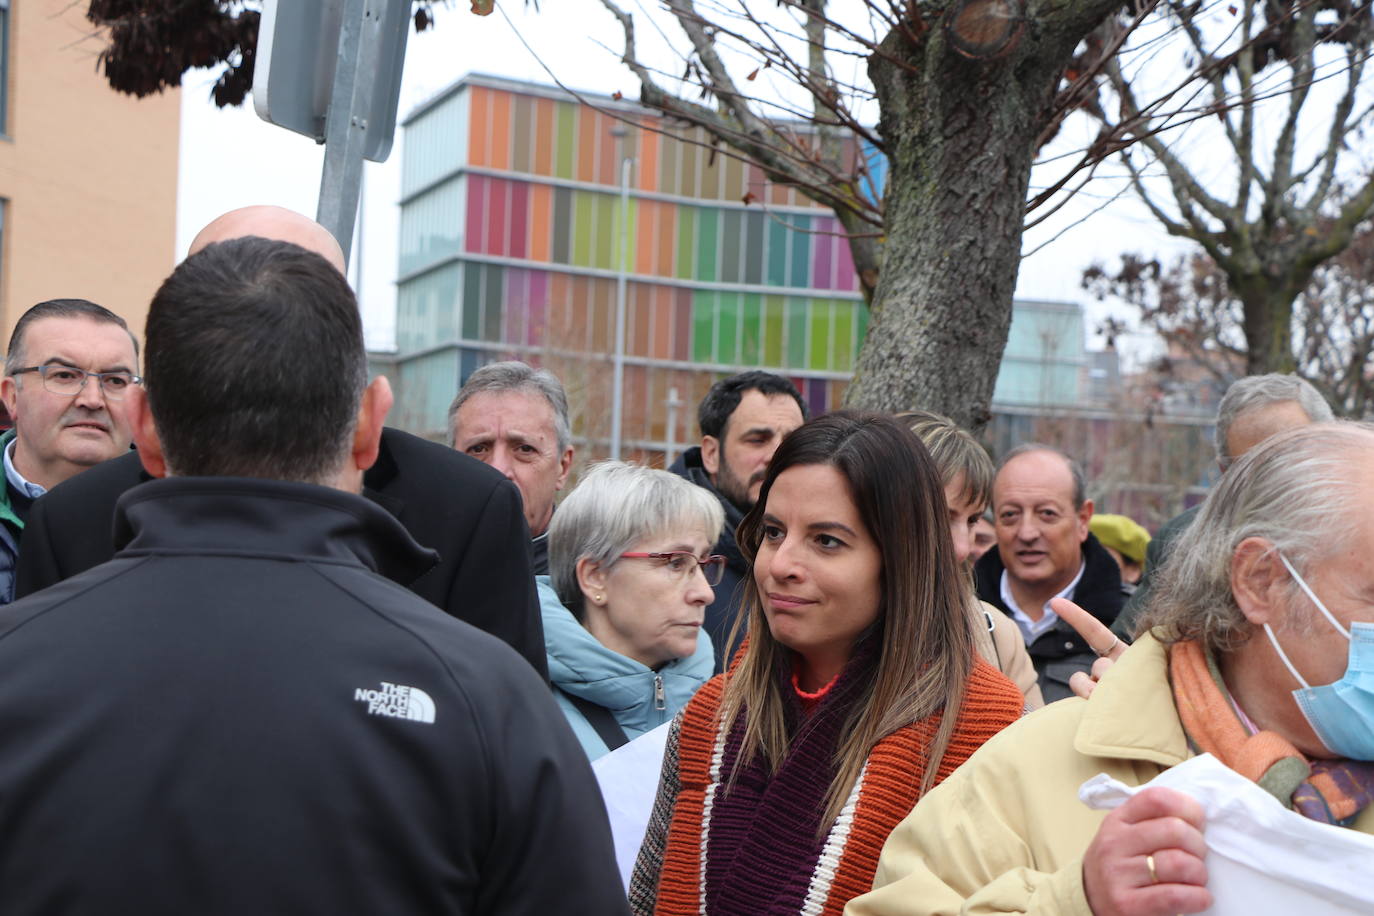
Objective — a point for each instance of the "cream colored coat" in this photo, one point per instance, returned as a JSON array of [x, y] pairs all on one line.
[[1005, 833], [1004, 648]]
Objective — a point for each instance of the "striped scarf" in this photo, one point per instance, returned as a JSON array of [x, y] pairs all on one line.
[[1328, 791], [757, 849]]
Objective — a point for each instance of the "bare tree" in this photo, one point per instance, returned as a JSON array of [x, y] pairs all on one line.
[[966, 92], [1286, 71], [1191, 305]]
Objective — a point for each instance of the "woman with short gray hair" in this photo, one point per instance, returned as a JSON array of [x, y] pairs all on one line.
[[630, 579]]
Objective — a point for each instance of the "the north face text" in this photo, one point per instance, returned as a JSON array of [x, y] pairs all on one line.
[[397, 701]]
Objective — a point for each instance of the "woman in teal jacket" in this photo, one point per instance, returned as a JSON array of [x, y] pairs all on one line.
[[630, 579]]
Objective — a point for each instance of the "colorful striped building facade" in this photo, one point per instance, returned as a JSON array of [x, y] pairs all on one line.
[[514, 233]]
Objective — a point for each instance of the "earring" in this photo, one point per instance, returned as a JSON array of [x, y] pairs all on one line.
[[599, 598]]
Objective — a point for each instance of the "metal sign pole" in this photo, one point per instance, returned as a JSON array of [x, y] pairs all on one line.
[[346, 124]]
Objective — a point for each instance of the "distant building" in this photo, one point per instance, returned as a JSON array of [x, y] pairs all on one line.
[[88, 177], [511, 223]]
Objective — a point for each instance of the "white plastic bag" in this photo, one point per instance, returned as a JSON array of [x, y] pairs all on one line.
[[1261, 857]]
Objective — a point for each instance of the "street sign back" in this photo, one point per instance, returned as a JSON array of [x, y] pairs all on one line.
[[298, 57]]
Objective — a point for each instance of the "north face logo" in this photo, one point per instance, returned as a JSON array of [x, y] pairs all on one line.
[[397, 701]]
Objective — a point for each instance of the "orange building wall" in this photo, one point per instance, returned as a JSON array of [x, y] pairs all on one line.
[[90, 175]]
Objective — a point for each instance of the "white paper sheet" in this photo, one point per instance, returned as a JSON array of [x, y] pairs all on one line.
[[1262, 858], [628, 777]]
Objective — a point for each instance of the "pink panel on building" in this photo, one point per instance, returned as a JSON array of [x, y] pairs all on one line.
[[498, 213], [519, 218], [844, 266], [477, 208], [823, 254], [515, 310], [682, 325]]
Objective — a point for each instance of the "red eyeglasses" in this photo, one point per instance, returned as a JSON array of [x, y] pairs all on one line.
[[684, 562]]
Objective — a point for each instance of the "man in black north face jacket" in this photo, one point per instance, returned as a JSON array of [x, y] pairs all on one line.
[[242, 712]]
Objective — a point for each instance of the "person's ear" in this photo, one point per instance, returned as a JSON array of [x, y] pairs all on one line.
[[564, 466], [1085, 516], [591, 580], [710, 454], [9, 394], [144, 431], [367, 435], [1259, 581]]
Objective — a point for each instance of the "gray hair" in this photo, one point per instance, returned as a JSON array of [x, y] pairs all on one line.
[[1080, 481], [614, 507], [514, 375], [1290, 490], [1255, 391]]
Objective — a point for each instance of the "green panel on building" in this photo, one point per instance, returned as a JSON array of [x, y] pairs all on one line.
[[751, 323], [583, 205], [772, 330], [800, 273], [567, 140], [708, 220], [703, 326], [796, 332], [844, 336], [819, 355], [686, 241], [727, 328], [493, 299], [777, 253], [754, 253], [472, 302]]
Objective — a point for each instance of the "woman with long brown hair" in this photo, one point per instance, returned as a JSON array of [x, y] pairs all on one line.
[[783, 777]]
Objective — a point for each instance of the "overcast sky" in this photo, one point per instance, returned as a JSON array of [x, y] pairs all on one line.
[[230, 158]]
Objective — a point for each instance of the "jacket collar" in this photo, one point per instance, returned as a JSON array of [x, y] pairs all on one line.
[[381, 474], [190, 515], [1131, 714], [689, 466], [1098, 591], [582, 666]]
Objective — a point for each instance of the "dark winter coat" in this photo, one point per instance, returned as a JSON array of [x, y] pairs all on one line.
[[1060, 651]]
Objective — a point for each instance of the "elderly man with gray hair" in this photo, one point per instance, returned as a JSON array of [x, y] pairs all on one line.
[[1253, 409], [514, 417], [1253, 650]]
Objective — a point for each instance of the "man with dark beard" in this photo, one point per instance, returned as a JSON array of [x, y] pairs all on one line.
[[743, 419]]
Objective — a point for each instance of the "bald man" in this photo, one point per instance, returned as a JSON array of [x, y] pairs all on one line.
[[466, 511], [269, 222]]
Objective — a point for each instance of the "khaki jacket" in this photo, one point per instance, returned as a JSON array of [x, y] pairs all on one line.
[[1001, 645], [1006, 832]]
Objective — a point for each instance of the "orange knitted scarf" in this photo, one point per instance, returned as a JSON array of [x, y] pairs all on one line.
[[890, 787], [1326, 791]]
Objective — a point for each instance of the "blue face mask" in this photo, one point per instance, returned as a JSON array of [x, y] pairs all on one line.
[[1342, 714]]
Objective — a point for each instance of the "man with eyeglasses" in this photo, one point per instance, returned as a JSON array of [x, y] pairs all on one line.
[[69, 364]]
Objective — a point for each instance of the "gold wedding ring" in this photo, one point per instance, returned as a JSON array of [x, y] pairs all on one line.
[[1150, 864]]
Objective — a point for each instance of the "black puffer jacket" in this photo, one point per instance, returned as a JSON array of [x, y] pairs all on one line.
[[1060, 651]]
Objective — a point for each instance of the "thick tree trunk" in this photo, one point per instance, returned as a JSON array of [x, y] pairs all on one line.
[[961, 136], [1267, 301]]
